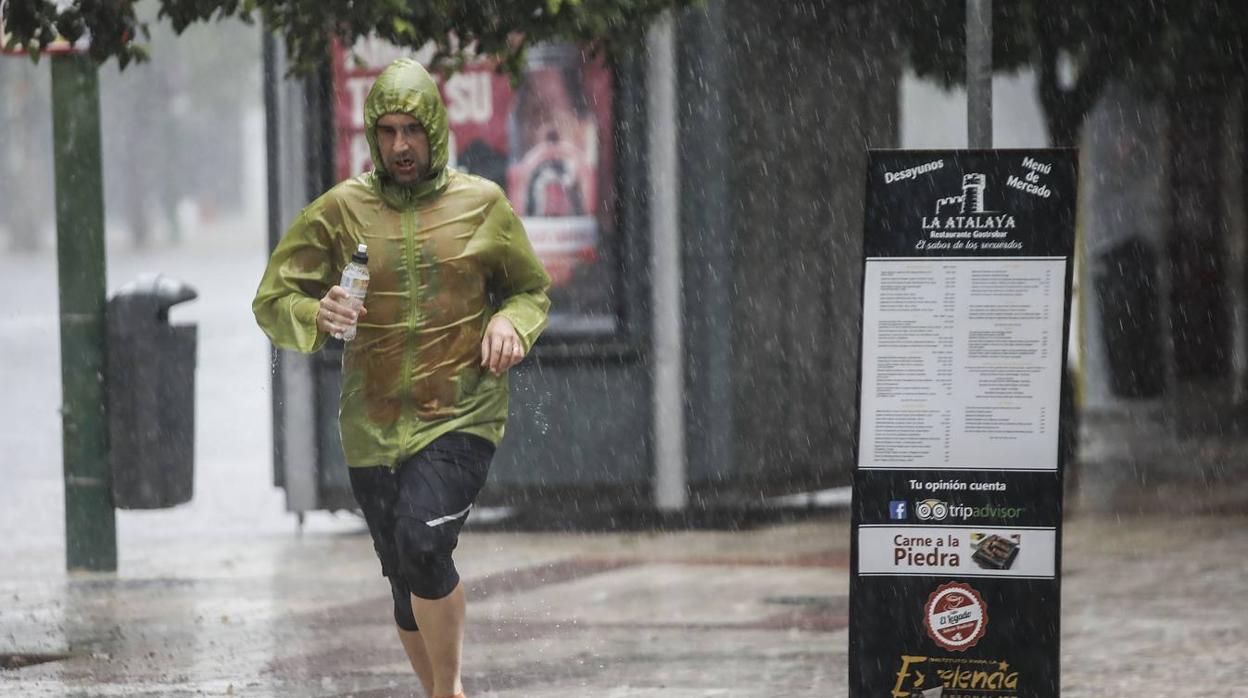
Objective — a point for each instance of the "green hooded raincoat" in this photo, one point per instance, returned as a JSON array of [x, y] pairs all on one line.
[[445, 256]]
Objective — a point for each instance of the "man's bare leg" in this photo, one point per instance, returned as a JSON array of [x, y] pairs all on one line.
[[441, 623], [414, 646]]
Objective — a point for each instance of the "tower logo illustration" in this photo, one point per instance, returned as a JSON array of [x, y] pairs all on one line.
[[970, 201]]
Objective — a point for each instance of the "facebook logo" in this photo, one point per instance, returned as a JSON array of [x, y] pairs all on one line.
[[897, 510]]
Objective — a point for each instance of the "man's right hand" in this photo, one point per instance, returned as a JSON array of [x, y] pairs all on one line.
[[335, 313]]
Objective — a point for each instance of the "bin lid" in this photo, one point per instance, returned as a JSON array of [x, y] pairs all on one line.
[[166, 290]]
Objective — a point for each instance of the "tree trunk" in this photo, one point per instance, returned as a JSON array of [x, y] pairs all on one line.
[[1200, 319]]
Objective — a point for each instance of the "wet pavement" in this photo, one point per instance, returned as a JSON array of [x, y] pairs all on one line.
[[1152, 606], [224, 597]]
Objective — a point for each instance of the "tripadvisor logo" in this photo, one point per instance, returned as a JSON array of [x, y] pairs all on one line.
[[937, 510]]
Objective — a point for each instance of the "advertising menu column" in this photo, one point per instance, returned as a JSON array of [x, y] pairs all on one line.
[[955, 572]]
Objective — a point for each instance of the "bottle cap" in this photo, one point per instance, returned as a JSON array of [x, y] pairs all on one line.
[[361, 254]]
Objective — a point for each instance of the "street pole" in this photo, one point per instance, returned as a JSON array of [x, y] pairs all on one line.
[[979, 73], [670, 476], [90, 525]]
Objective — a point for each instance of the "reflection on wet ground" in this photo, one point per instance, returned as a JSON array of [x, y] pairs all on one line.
[[1150, 607]]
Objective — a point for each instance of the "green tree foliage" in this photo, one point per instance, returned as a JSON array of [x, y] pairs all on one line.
[[1188, 55], [1078, 46], [459, 29]]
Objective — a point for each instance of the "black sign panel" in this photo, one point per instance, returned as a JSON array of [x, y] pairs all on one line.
[[955, 572]]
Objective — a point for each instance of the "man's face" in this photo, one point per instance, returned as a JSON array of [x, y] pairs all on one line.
[[404, 147]]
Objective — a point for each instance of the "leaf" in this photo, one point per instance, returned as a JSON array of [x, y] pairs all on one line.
[[402, 27]]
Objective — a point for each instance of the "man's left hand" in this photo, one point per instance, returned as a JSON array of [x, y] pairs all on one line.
[[501, 348]]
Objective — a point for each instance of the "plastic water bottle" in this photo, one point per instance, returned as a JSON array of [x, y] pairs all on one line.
[[355, 281]]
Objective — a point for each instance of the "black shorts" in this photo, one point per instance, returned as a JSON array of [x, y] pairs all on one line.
[[415, 512]]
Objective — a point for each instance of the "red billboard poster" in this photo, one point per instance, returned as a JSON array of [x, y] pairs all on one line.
[[547, 142]]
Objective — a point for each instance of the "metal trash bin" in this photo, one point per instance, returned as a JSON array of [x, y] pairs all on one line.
[[151, 394]]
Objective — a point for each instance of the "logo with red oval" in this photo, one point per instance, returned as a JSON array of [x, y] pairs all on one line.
[[955, 616]]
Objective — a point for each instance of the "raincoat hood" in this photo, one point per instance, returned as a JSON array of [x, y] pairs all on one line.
[[405, 87]]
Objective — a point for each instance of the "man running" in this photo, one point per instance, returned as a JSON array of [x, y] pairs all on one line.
[[456, 298]]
